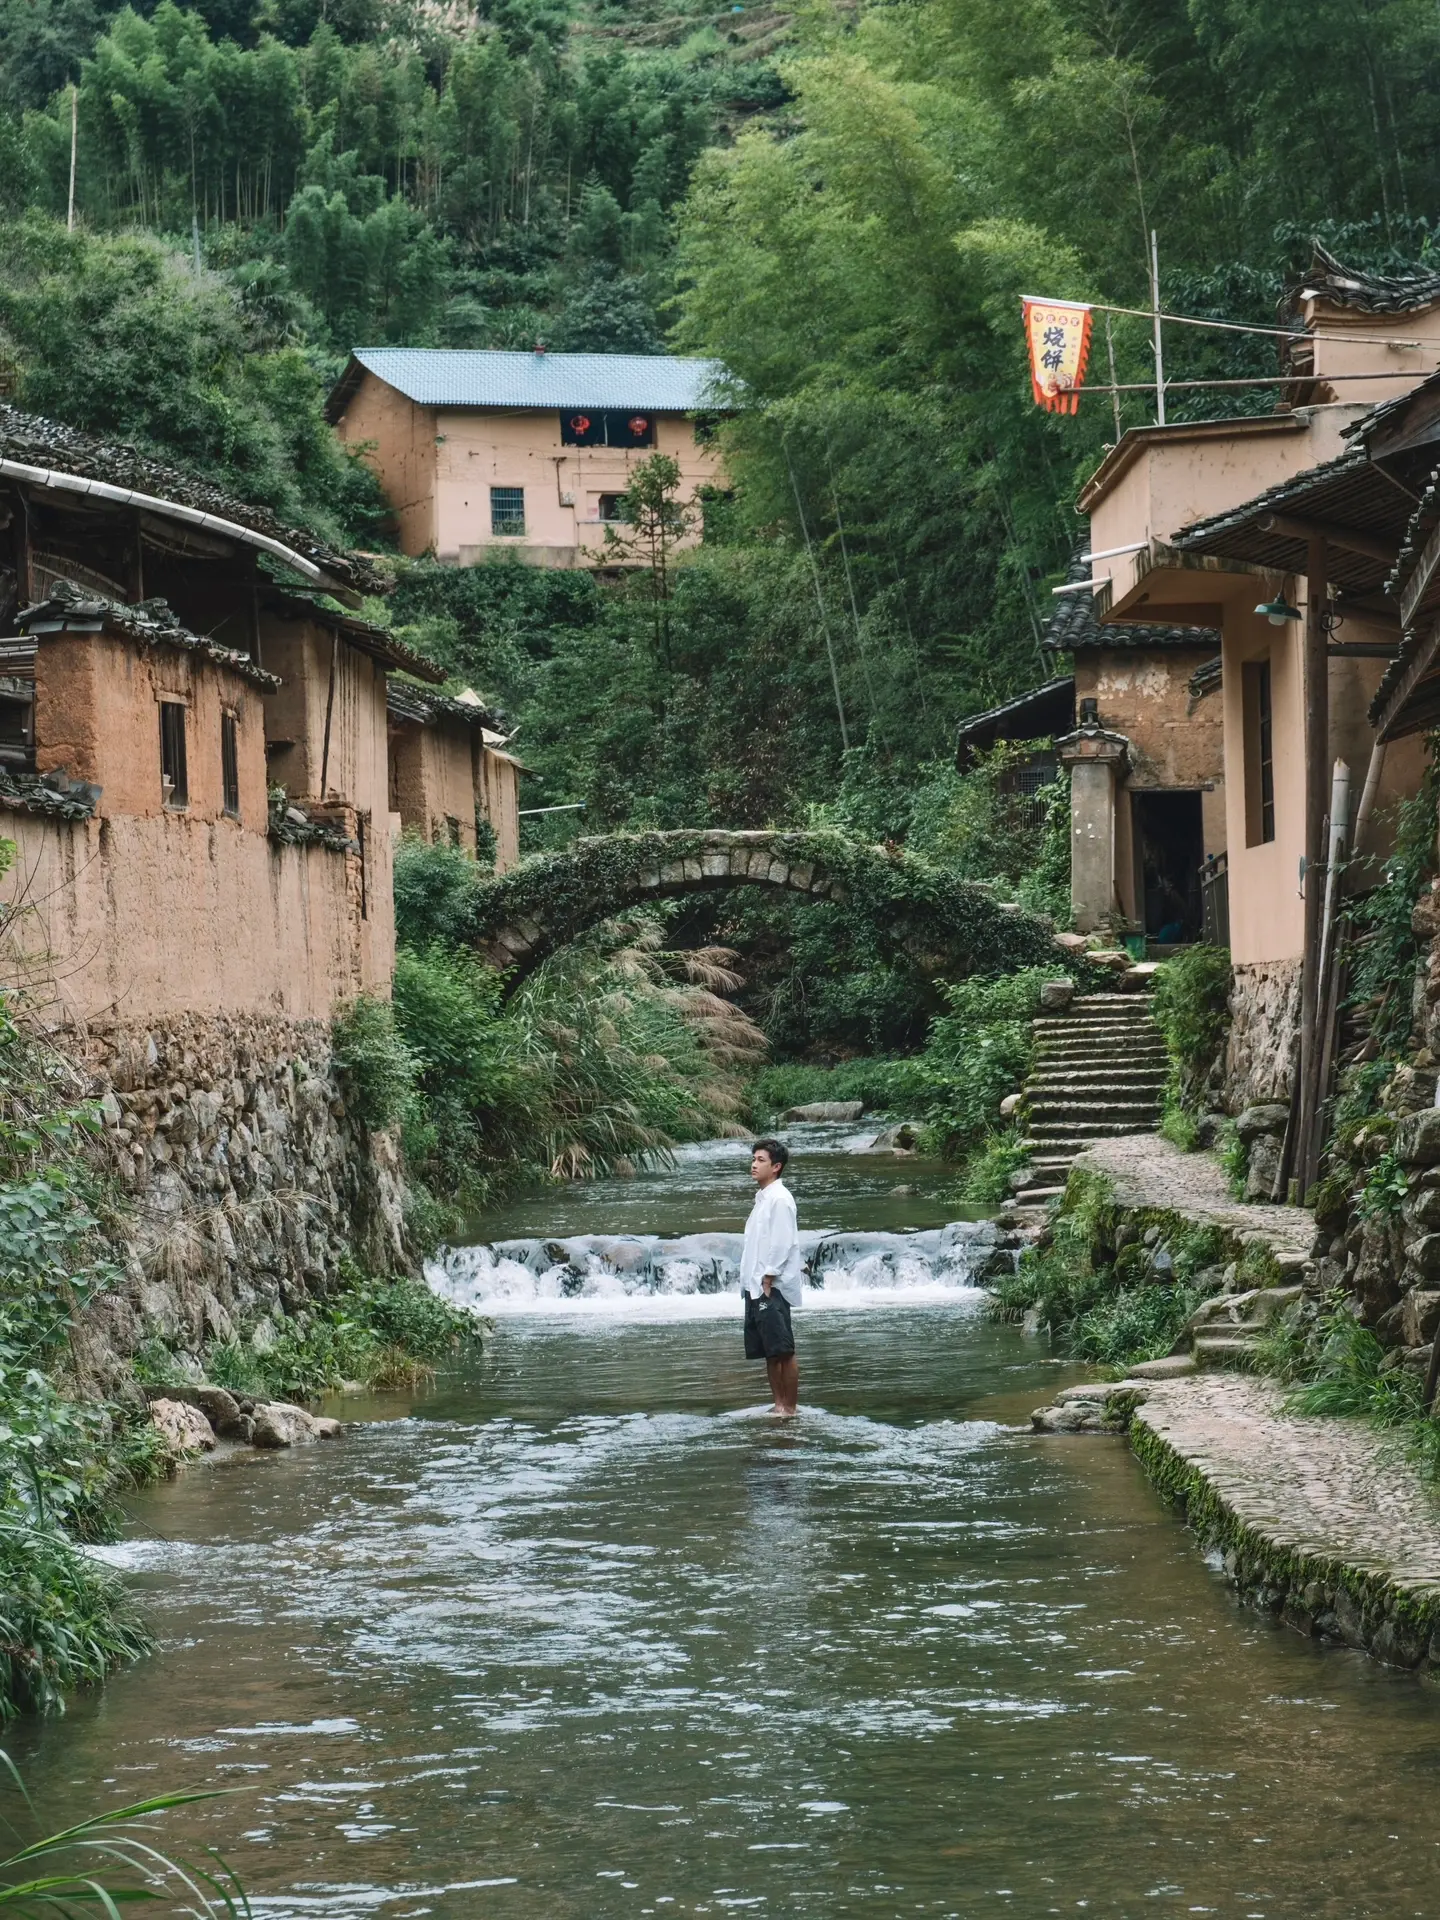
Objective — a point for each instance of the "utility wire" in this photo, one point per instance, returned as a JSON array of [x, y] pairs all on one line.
[[819, 600], [850, 589]]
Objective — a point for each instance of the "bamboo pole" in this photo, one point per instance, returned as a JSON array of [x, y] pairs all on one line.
[[74, 143]]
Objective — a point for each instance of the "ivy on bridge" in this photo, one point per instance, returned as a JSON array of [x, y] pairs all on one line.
[[943, 924]]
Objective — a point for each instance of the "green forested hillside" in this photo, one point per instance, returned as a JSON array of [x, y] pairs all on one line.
[[841, 198]]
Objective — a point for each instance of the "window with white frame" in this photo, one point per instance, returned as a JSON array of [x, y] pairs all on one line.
[[507, 510]]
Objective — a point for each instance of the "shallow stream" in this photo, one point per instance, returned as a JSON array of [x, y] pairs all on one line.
[[580, 1632]]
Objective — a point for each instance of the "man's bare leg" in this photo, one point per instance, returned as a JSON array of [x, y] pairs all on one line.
[[784, 1383]]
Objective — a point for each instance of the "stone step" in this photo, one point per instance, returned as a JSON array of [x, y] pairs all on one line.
[[1223, 1349], [1101, 1046], [1061, 1104], [1138, 1022], [1089, 1067], [1095, 1059], [1037, 1196], [1173, 1367], [1061, 1132]]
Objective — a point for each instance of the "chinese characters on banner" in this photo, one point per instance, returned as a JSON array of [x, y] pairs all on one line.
[[1058, 335]]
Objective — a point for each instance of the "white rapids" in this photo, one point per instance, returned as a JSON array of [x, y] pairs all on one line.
[[697, 1275]]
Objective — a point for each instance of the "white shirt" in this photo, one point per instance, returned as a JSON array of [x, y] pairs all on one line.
[[772, 1244]]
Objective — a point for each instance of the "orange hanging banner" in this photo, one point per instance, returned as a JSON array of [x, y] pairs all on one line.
[[1057, 333]]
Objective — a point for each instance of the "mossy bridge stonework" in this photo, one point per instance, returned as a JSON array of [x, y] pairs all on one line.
[[939, 923]]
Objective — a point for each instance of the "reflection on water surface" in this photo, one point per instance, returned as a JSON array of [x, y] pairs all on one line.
[[581, 1634]]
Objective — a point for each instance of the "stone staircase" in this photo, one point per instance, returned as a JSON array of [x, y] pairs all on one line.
[[1099, 1070]]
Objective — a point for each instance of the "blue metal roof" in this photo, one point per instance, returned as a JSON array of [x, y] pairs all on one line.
[[480, 377]]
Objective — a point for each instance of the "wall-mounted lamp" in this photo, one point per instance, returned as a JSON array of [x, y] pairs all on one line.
[[1279, 610]]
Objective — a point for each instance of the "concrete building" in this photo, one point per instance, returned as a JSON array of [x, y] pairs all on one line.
[[484, 452], [449, 774], [1282, 534]]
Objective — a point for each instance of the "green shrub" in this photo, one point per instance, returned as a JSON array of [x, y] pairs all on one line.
[[1114, 1305], [436, 887], [378, 1332], [1234, 1159], [1135, 1323], [1385, 1188], [986, 1182], [977, 1052], [884, 1086], [377, 1070], [1191, 1005]]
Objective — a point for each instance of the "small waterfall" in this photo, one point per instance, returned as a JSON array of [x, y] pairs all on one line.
[[700, 1272]]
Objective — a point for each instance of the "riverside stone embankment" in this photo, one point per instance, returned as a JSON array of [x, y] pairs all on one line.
[[1322, 1523]]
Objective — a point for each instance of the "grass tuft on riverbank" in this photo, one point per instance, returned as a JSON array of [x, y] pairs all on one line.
[[64, 1621], [385, 1333], [1335, 1366], [1111, 1291]]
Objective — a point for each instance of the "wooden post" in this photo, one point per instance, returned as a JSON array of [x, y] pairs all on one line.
[[329, 710], [1317, 769]]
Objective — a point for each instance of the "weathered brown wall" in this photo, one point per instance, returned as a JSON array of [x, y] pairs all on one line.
[[158, 916], [97, 715], [434, 777], [500, 803], [356, 770], [1176, 742], [403, 453]]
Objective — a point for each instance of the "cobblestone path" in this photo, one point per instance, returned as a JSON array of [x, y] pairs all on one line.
[[1147, 1171], [1326, 1489]]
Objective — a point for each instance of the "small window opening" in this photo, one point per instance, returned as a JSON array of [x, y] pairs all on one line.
[[607, 429], [175, 783], [612, 506], [1259, 754], [507, 510], [230, 764]]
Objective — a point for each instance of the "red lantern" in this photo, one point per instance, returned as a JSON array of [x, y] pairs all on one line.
[[639, 427], [580, 424]]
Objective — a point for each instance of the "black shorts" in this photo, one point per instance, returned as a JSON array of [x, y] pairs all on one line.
[[768, 1333]]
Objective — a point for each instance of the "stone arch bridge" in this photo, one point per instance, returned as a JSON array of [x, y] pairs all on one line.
[[941, 924]]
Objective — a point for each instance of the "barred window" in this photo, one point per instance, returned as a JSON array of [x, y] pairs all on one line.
[[176, 784], [230, 764], [507, 510]]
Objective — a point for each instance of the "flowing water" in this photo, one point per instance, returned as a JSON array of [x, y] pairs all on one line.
[[580, 1632]]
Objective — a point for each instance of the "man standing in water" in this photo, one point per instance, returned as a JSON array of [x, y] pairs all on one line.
[[770, 1273]]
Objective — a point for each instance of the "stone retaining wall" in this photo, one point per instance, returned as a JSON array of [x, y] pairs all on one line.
[[247, 1180], [1318, 1523], [1264, 1033]]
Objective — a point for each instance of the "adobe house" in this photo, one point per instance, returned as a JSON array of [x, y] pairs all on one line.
[[448, 774], [183, 928], [1147, 784], [482, 452]]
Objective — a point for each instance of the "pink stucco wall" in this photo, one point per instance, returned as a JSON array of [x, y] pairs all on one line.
[[437, 466]]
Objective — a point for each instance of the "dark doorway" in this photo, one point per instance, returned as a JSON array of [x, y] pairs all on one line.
[[1169, 850]]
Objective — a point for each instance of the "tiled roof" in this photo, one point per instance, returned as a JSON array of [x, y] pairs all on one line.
[[1349, 491], [379, 642], [1046, 709], [415, 704], [485, 377], [1073, 627], [74, 609], [1366, 292], [29, 440]]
